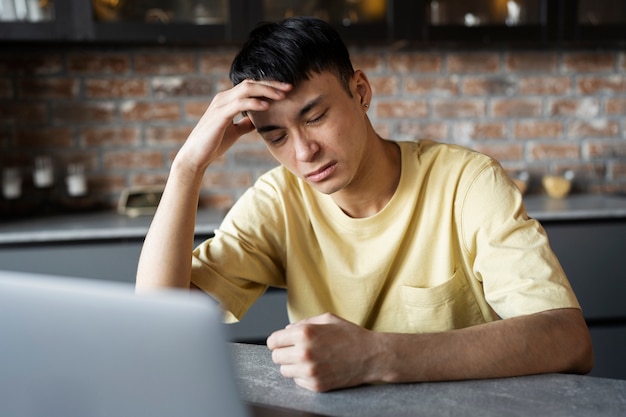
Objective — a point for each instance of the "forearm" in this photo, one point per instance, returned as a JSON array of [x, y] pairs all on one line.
[[165, 259], [552, 341]]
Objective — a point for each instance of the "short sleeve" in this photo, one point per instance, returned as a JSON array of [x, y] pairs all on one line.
[[245, 256], [510, 252]]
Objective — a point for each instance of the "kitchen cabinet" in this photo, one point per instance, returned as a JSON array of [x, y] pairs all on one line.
[[592, 21], [106, 246], [524, 21], [534, 22], [116, 260], [591, 253]]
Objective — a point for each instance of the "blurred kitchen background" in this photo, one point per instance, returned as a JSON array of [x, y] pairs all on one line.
[[98, 96]]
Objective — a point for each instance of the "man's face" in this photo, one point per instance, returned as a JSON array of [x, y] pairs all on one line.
[[318, 132]]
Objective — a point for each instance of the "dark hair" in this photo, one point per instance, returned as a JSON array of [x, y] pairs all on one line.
[[291, 51]]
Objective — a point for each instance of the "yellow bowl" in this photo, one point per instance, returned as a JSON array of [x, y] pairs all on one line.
[[556, 186]]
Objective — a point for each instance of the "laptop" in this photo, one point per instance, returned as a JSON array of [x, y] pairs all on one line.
[[79, 348]]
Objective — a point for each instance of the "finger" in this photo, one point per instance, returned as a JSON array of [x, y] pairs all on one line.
[[271, 90], [280, 339], [287, 356], [279, 85], [242, 127]]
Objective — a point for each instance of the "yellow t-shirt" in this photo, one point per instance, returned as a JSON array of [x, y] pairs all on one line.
[[452, 248]]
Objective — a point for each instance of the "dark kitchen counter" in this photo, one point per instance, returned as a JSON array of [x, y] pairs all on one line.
[[111, 225], [99, 225]]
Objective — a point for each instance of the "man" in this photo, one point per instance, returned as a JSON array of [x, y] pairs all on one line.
[[402, 261]]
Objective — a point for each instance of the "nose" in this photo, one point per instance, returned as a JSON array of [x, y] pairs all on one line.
[[306, 149]]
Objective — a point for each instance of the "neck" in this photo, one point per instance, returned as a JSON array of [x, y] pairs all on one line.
[[376, 184]]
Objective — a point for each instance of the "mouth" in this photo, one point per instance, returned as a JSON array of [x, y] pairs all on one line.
[[322, 173]]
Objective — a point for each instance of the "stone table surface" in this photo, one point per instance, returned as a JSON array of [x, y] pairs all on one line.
[[549, 395]]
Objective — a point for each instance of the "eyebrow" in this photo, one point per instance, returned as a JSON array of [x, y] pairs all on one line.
[[303, 111]]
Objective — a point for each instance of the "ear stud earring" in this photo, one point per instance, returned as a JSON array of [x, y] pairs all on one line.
[[366, 105]]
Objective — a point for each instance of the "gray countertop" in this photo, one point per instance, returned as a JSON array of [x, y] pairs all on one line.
[[551, 395], [92, 226], [111, 225], [576, 207]]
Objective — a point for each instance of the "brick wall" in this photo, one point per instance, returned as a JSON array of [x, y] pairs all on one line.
[[123, 112]]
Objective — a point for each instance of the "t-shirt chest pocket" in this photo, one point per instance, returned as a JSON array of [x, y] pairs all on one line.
[[446, 306]]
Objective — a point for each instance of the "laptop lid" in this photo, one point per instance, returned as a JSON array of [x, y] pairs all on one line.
[[76, 347]]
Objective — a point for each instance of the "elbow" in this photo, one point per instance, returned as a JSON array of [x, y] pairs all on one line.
[[581, 357], [584, 361]]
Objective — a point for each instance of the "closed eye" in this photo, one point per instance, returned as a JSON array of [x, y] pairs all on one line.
[[275, 140], [316, 119]]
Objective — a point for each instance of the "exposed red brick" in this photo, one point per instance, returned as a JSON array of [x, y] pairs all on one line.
[[489, 86], [479, 131], [133, 159], [473, 62], [148, 179], [589, 62], [415, 62], [116, 87], [170, 155], [109, 136], [216, 200], [605, 148], [258, 156], [598, 85], [538, 129], [31, 63], [121, 110], [47, 88], [531, 61], [98, 63], [23, 113], [598, 128], [252, 137], [89, 159], [453, 109], [165, 63], [368, 62], [108, 183], [223, 83], [516, 107], [401, 108], [182, 86], [547, 151], [435, 86], [195, 109], [83, 112], [48, 137], [227, 179], [384, 85], [585, 170], [579, 107], [167, 135], [616, 106], [501, 151], [415, 131], [544, 85], [218, 61], [150, 111]]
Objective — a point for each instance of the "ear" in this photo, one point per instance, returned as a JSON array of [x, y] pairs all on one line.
[[362, 87]]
